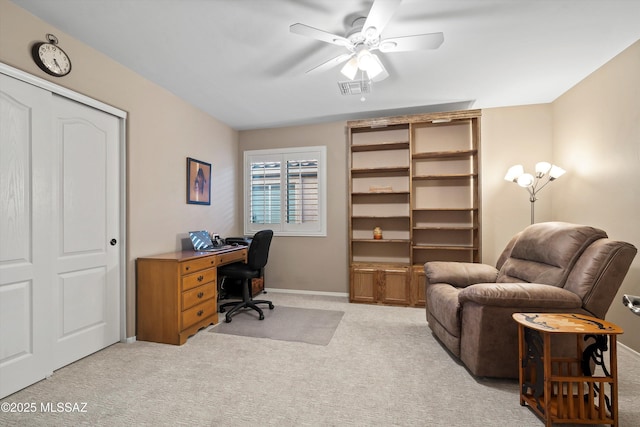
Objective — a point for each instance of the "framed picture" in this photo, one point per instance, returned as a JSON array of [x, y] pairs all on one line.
[[198, 182]]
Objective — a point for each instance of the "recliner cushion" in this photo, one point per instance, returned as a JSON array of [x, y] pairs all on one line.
[[546, 252], [520, 296], [599, 273], [444, 305], [459, 274]]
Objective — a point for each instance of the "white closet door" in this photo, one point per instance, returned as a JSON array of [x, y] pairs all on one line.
[[25, 238], [86, 281]]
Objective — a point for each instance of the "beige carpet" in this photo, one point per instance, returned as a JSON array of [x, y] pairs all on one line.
[[308, 325], [382, 368]]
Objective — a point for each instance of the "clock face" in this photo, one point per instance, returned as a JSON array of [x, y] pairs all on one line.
[[51, 59]]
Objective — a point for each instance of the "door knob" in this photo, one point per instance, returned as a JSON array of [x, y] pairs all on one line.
[[113, 242]]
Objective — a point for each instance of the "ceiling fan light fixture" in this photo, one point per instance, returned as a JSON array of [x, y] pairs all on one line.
[[350, 68], [365, 60], [364, 35], [374, 68]]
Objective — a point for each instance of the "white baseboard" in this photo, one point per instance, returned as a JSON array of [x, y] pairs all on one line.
[[629, 349], [129, 340], [298, 291]]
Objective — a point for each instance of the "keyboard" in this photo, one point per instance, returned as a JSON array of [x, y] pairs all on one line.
[[217, 248]]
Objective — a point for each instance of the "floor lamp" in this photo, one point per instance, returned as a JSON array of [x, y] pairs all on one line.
[[545, 173]]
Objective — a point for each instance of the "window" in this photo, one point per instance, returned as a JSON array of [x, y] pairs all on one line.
[[285, 191]]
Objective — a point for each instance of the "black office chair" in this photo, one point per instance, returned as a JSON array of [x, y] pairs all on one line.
[[256, 260]]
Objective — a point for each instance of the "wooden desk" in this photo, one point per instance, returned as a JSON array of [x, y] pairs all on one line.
[[177, 293], [567, 389]]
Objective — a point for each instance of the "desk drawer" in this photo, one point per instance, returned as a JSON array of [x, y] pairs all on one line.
[[230, 257], [197, 264], [200, 278], [197, 295], [199, 312]]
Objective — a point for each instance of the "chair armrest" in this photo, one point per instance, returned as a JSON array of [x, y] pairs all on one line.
[[459, 274], [520, 295]]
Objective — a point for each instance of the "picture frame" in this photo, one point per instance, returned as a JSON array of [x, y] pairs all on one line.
[[198, 182]]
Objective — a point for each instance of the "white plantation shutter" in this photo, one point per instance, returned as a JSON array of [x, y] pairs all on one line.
[[285, 191], [265, 193], [302, 191]]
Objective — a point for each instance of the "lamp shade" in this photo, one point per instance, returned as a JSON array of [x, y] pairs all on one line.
[[542, 168], [525, 180], [556, 172], [514, 172], [365, 60], [350, 68], [375, 68]]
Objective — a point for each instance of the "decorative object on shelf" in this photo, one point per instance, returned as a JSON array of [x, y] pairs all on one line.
[[545, 173], [632, 302], [377, 233], [198, 182], [50, 58], [380, 189]]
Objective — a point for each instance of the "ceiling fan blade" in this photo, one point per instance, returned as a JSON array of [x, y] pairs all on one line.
[[380, 14], [314, 33], [407, 43], [331, 63]]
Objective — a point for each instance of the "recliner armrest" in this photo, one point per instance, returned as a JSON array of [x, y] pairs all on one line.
[[520, 295], [459, 274]]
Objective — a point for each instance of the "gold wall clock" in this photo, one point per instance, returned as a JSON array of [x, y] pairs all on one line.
[[50, 58]]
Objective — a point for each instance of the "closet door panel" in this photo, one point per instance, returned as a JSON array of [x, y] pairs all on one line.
[[25, 244], [86, 291]]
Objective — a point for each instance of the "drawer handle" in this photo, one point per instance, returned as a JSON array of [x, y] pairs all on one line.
[[186, 268], [200, 294], [200, 313], [200, 278]]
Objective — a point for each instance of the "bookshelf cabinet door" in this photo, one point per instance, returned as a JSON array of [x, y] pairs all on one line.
[[394, 286], [364, 284], [418, 283]]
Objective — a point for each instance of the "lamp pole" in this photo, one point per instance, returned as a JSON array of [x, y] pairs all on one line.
[[532, 199]]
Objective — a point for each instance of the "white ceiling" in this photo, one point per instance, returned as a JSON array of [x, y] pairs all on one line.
[[237, 60]]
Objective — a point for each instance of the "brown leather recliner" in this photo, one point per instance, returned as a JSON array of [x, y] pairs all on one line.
[[547, 267]]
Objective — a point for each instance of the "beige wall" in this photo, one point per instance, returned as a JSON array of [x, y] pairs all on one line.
[[597, 140], [509, 136], [162, 131], [311, 263]]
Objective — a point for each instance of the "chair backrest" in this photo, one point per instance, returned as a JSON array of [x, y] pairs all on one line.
[[579, 258], [546, 252], [599, 272], [259, 249]]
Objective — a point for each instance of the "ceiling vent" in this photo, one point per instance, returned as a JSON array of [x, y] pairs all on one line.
[[355, 87]]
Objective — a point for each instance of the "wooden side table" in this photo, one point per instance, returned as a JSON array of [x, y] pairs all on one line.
[[580, 389]]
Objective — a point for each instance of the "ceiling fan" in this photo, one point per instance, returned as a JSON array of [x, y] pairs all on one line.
[[364, 37]]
